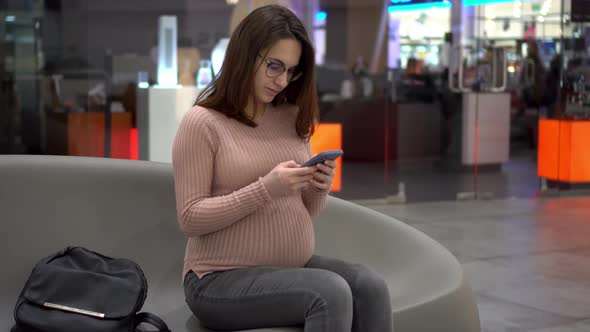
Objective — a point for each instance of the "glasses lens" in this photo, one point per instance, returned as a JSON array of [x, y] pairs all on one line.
[[275, 69], [293, 75]]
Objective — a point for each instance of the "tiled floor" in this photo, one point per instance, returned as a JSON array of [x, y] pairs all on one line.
[[428, 181], [528, 260], [517, 178]]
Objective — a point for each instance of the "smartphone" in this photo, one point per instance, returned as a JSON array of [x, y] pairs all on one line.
[[323, 156]]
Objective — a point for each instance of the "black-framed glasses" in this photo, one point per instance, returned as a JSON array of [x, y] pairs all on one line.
[[275, 69]]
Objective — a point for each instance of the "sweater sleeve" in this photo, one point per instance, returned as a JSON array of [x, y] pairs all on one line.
[[193, 160], [314, 199]]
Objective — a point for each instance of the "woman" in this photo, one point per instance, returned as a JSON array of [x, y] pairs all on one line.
[[246, 205]]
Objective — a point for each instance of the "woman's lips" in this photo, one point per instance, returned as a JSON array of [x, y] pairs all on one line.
[[272, 91]]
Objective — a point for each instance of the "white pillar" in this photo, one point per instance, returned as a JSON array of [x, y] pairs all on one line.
[[310, 8], [462, 23], [381, 38], [167, 48], [393, 45]]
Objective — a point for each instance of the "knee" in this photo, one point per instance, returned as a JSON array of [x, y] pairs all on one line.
[[368, 284], [334, 292]]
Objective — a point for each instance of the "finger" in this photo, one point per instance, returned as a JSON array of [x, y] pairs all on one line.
[[306, 178], [330, 163], [321, 177], [325, 169], [290, 164], [301, 171], [321, 186], [301, 179]]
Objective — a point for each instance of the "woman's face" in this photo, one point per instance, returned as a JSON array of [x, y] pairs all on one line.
[[275, 69]]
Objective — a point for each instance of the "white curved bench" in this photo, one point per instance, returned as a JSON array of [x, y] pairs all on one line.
[[125, 208]]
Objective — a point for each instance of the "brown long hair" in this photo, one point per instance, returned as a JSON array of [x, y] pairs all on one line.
[[258, 32]]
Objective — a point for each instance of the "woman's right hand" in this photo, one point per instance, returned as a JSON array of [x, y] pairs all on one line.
[[287, 178]]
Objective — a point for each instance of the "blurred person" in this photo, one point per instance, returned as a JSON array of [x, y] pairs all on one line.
[[532, 79], [417, 83], [412, 67], [360, 67], [488, 68], [362, 84], [552, 91]]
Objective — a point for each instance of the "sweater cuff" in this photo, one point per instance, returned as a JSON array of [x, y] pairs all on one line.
[[270, 191]]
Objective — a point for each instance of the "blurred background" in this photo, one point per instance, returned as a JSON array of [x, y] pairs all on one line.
[[431, 100]]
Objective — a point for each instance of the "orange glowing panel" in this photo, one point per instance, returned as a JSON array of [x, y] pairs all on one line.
[[564, 152], [328, 136], [85, 134], [133, 144], [120, 138]]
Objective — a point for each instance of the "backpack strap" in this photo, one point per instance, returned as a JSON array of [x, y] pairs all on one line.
[[146, 317]]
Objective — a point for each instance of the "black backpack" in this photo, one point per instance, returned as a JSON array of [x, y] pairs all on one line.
[[80, 290]]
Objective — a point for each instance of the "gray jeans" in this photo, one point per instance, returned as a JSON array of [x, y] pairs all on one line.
[[327, 295]]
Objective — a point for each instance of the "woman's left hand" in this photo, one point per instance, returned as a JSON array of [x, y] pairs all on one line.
[[324, 175]]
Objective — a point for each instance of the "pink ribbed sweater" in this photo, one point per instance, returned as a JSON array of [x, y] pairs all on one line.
[[231, 219]]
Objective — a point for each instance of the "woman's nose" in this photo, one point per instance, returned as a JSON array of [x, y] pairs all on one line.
[[282, 80]]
